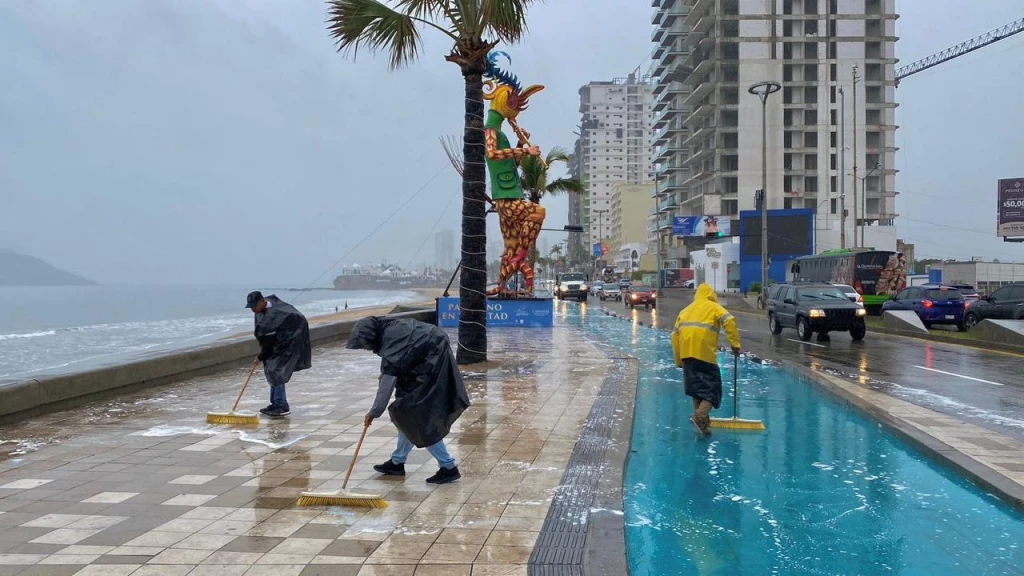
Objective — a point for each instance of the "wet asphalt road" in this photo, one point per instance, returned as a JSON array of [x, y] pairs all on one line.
[[985, 388]]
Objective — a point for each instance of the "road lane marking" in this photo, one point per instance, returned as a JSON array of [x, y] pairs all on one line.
[[959, 376], [808, 343]]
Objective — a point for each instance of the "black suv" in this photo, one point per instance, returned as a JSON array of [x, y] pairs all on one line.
[[1006, 303], [814, 308]]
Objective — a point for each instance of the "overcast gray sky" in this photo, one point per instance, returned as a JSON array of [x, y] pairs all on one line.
[[224, 141]]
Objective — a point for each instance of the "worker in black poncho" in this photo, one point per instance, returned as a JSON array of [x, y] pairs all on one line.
[[416, 364], [283, 334]]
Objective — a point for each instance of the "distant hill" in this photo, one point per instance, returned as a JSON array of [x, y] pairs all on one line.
[[21, 270]]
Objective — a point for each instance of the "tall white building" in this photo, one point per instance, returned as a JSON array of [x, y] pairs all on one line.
[[614, 146], [707, 127], [444, 250]]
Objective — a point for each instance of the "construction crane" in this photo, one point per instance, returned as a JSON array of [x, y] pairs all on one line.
[[960, 49]]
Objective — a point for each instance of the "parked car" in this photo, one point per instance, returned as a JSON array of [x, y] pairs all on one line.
[[852, 294], [637, 294], [610, 292], [572, 285], [595, 288], [814, 309], [970, 294], [1006, 303], [933, 304], [624, 283]]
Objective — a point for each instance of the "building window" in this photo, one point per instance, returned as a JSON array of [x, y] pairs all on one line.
[[833, 205]]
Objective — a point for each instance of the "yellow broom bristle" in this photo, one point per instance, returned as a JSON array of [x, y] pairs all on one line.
[[233, 419], [342, 499], [737, 424]]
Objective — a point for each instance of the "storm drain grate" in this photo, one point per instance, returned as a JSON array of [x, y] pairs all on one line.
[[560, 547]]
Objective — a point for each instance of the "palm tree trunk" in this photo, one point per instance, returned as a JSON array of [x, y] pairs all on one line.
[[472, 346]]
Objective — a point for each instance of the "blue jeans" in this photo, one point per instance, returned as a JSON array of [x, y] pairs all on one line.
[[438, 451], [278, 399]]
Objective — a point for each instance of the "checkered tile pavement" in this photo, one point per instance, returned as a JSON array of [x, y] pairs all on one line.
[[142, 486]]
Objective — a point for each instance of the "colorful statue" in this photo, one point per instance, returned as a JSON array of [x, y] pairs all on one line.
[[521, 220]]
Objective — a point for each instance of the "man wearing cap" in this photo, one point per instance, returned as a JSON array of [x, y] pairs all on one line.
[[283, 335]]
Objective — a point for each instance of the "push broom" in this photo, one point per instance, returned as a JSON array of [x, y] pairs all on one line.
[[235, 418], [344, 497], [736, 423]]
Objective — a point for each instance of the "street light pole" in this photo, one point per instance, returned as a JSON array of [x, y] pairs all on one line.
[[842, 169], [657, 231], [762, 90]]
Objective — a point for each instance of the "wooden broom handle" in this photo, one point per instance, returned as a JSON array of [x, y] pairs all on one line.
[[355, 456], [251, 372]]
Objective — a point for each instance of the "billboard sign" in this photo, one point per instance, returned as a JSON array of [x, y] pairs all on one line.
[[701, 226], [600, 249], [1010, 221]]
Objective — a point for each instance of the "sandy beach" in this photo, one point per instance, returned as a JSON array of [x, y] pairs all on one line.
[[428, 294]]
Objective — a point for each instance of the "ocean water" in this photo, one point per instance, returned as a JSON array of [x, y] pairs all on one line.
[[73, 327], [823, 491]]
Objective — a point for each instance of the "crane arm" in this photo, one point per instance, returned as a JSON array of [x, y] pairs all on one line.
[[960, 49]]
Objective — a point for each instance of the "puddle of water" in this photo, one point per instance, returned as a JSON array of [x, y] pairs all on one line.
[[823, 491]]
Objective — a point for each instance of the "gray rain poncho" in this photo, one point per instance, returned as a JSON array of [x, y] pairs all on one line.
[[429, 392], [283, 331]]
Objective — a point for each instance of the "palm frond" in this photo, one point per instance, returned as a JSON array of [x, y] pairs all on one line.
[[532, 173], [453, 149], [558, 154], [357, 23], [434, 10], [505, 19], [564, 185]]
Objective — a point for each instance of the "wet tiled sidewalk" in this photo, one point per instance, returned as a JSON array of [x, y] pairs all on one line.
[[143, 486]]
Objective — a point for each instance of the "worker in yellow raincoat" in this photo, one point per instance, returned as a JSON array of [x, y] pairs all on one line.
[[695, 349]]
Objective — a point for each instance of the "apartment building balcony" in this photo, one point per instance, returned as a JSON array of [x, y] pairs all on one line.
[[665, 222], [667, 204], [667, 16], [667, 115], [698, 135], [698, 93], [697, 10]]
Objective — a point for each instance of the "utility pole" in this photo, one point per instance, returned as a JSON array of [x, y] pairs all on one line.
[[842, 169], [856, 204]]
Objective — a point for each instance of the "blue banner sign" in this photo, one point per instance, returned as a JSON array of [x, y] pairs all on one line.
[[701, 226], [502, 313], [597, 249]]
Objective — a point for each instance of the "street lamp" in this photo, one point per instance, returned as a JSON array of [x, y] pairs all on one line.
[[864, 199], [763, 90]]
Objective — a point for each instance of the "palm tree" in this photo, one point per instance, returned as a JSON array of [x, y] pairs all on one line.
[[474, 28], [533, 175]]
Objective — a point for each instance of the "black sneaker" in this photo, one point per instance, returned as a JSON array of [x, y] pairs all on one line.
[[445, 475], [267, 409], [389, 468], [278, 412]]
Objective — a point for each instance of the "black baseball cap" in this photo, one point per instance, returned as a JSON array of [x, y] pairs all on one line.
[[253, 299]]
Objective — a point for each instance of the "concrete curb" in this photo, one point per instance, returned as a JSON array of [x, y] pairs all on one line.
[[21, 399], [931, 337]]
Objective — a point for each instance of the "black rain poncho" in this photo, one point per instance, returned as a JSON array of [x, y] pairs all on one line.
[[429, 392], [284, 332]]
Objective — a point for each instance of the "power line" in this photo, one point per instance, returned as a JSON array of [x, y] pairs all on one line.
[[379, 226]]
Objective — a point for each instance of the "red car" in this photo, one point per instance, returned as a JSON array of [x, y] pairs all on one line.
[[637, 295]]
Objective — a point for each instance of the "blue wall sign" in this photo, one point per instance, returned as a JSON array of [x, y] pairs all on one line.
[[502, 313]]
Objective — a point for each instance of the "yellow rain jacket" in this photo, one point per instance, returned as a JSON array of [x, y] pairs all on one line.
[[698, 326]]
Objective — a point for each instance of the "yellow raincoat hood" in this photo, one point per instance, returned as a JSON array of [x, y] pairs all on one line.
[[698, 326]]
